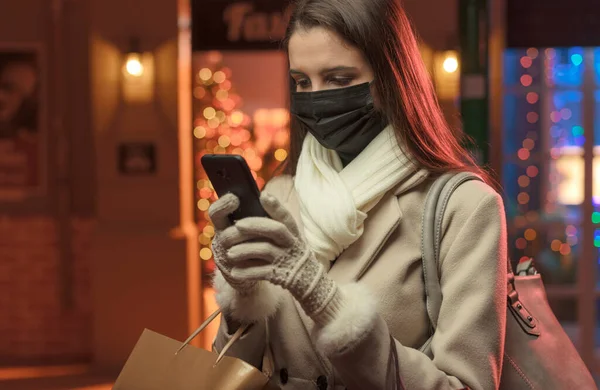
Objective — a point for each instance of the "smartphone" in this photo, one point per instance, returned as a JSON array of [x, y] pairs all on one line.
[[229, 173]]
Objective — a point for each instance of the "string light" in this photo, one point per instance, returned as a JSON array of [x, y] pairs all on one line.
[[524, 181], [532, 117], [205, 254], [532, 98], [219, 77], [220, 126], [526, 62], [532, 171], [530, 234], [281, 154], [526, 80], [199, 132], [205, 74]]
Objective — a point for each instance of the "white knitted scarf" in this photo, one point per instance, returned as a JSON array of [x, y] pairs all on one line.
[[335, 200]]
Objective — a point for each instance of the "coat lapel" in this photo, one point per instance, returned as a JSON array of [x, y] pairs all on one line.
[[382, 221], [355, 260], [380, 224]]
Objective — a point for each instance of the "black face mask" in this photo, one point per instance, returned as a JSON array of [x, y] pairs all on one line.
[[343, 119]]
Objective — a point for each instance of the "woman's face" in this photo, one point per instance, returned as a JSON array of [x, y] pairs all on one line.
[[321, 60]]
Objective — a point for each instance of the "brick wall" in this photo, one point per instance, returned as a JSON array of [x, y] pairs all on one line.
[[34, 325]]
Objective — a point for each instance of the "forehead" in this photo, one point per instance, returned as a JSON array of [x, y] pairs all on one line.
[[317, 48]]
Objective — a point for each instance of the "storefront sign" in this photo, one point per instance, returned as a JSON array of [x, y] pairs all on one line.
[[553, 23], [238, 24]]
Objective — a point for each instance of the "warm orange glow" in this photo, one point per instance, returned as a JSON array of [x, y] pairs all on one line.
[[209, 112], [555, 246], [134, 66], [210, 305], [199, 132], [209, 230], [226, 85], [222, 95], [188, 227], [199, 92], [205, 74], [11, 373], [237, 117], [523, 198], [205, 254], [565, 249], [530, 234], [205, 193], [281, 154], [450, 64], [219, 77], [524, 181], [224, 141]]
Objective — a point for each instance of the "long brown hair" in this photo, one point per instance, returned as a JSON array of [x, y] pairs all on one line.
[[381, 30]]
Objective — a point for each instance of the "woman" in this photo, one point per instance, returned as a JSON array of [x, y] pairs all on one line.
[[332, 283]]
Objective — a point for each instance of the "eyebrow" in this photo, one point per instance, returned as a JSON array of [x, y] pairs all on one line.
[[326, 71]]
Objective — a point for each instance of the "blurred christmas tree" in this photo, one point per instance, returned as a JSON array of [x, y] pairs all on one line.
[[220, 127]]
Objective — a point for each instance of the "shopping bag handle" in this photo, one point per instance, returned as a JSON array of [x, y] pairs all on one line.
[[236, 336], [206, 322]]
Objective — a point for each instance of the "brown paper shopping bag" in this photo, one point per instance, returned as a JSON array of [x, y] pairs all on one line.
[[160, 363]]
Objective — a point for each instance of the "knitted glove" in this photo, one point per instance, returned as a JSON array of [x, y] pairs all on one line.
[[219, 213], [243, 300], [277, 253]]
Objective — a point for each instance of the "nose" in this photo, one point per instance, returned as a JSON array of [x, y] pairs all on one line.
[[316, 86]]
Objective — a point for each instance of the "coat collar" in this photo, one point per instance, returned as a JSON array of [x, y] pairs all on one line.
[[353, 262], [382, 221]]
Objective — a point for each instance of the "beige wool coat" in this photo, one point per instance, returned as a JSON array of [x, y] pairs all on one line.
[[375, 343]]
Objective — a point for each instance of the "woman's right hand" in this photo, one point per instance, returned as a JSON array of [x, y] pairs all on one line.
[[227, 235], [241, 300]]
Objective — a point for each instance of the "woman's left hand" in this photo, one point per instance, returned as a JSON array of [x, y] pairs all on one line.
[[276, 252]]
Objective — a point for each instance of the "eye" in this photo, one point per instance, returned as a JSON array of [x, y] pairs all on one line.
[[340, 81], [302, 84]]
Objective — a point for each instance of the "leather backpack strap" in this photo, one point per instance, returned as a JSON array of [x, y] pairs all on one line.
[[431, 236]]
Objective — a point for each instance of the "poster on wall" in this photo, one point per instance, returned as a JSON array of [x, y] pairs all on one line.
[[21, 124], [239, 24]]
